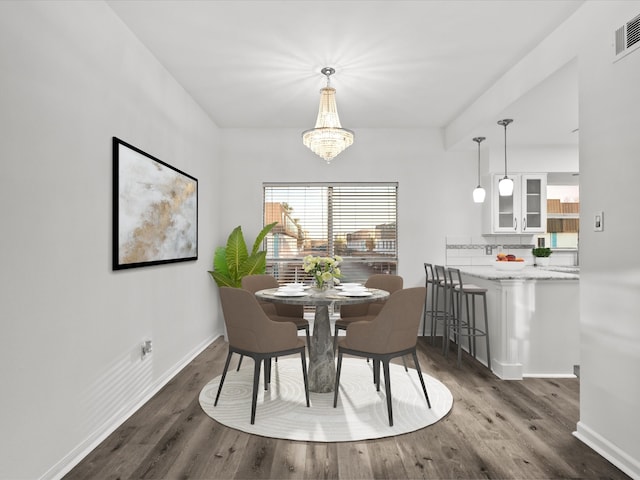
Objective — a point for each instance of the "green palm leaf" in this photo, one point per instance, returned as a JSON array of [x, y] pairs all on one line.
[[263, 233], [236, 251], [254, 264], [224, 280], [220, 261]]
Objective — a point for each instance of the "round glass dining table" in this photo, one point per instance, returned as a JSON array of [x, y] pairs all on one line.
[[322, 370]]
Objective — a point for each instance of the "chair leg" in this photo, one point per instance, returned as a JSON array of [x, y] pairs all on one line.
[[424, 312], [376, 373], [473, 325], [486, 331], [387, 388], [404, 362], [449, 315], [239, 363], [304, 375], [267, 372], [224, 374], [470, 324], [335, 338], [306, 330], [434, 313], [424, 387], [256, 378], [459, 329], [337, 385]]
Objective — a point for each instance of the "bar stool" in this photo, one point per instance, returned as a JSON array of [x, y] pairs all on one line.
[[430, 285], [468, 328], [441, 312], [451, 281]]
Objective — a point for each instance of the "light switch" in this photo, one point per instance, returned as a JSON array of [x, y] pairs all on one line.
[[598, 222]]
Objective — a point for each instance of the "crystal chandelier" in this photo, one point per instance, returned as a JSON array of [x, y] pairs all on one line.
[[327, 139], [505, 185], [479, 192]]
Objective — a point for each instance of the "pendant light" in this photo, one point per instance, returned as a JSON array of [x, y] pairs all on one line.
[[479, 192], [505, 186], [327, 139]]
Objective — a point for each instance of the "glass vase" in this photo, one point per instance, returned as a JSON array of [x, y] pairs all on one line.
[[322, 286]]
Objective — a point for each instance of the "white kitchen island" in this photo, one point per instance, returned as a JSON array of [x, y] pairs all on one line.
[[533, 321]]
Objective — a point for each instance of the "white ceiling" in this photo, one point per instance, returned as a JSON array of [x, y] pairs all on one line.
[[399, 64]]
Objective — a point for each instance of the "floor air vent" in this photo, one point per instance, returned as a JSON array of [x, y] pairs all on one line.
[[627, 38]]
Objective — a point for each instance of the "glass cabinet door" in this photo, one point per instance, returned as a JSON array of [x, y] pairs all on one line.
[[506, 212], [534, 204]]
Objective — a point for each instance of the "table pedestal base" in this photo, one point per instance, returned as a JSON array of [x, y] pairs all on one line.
[[322, 369]]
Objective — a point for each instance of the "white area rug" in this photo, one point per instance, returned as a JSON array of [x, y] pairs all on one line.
[[361, 412]]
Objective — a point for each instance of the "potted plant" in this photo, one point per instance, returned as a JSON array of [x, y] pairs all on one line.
[[234, 261], [541, 256]]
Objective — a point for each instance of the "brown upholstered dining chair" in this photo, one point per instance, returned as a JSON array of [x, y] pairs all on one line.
[[392, 333], [278, 312], [366, 311], [253, 334]]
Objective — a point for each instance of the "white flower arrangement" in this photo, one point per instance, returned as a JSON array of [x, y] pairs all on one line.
[[323, 269]]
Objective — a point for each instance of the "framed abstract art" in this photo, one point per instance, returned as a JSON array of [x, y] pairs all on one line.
[[155, 210]]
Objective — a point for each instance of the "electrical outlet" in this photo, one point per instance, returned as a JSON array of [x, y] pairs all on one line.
[[147, 348], [488, 250]]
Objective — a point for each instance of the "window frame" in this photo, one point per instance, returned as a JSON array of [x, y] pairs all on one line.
[[366, 264]]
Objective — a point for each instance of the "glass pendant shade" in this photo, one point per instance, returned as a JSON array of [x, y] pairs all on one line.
[[505, 187], [327, 139], [479, 194]]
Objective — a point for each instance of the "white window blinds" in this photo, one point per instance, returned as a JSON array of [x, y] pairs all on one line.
[[357, 221]]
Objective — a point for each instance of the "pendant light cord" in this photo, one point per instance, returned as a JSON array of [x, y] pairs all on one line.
[[478, 140], [504, 123], [478, 163], [505, 149]]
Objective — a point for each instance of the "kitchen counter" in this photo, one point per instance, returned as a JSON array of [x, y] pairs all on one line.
[[533, 320], [527, 273]]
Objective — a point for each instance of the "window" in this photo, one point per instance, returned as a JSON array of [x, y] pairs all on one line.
[[357, 221]]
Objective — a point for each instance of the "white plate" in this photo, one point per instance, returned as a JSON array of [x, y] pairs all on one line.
[[353, 293], [296, 285], [292, 293], [350, 285]]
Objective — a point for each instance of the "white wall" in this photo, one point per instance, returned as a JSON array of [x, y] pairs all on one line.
[[434, 193], [547, 158], [72, 77], [610, 264]]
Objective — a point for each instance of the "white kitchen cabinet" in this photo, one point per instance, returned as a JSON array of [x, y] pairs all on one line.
[[523, 212]]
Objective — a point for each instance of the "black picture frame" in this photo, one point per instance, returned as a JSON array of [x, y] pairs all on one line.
[[155, 210]]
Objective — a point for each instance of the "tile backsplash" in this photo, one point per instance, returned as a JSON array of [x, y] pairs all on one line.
[[473, 251]]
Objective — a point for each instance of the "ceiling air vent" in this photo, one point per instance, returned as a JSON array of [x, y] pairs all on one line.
[[627, 38]]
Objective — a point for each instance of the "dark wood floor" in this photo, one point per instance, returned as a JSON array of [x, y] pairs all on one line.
[[496, 429]]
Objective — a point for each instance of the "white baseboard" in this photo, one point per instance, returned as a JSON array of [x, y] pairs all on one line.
[[506, 371], [548, 375], [74, 457], [608, 450]]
